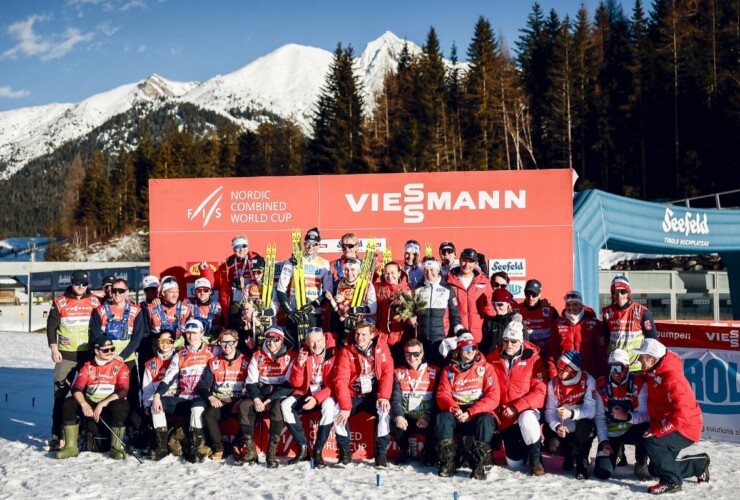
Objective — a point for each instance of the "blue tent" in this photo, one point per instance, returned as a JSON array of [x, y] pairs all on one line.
[[629, 225]]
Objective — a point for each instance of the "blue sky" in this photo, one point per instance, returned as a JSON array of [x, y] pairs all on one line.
[[67, 50]]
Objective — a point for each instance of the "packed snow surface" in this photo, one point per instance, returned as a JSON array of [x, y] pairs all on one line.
[[26, 471]]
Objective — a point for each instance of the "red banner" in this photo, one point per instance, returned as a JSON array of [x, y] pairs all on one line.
[[516, 218], [712, 335]]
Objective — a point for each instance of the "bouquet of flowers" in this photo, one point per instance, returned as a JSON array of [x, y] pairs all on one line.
[[408, 305]]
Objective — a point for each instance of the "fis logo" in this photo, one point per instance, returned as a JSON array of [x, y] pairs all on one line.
[[208, 208]]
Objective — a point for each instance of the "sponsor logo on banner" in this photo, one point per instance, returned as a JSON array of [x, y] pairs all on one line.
[[208, 208], [689, 224], [517, 288], [515, 268], [414, 201]]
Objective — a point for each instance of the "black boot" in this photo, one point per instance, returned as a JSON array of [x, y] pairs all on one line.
[[244, 450], [568, 456], [381, 460], [272, 462], [198, 451], [479, 457], [160, 450], [446, 456], [322, 434], [405, 455], [582, 467], [345, 457], [301, 455]]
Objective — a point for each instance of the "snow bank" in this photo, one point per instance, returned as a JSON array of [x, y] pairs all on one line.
[[26, 471]]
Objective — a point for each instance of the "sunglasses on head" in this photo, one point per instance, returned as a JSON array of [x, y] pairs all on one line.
[[106, 350], [365, 322], [314, 329], [349, 245], [617, 368], [119, 291], [80, 283], [227, 343], [621, 291], [165, 341], [469, 348], [572, 296], [241, 247], [412, 354], [500, 285], [202, 290]]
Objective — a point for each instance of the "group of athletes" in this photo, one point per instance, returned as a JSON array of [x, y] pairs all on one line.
[[435, 349]]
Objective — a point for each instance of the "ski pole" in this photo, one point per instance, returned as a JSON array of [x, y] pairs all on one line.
[[123, 445]]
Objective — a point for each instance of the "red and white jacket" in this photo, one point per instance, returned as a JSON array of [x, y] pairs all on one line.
[[224, 378], [154, 371], [671, 403], [386, 295], [316, 374], [352, 365], [577, 394], [98, 381], [474, 302], [475, 390], [630, 395], [187, 366], [267, 371], [413, 391], [539, 321], [522, 381]]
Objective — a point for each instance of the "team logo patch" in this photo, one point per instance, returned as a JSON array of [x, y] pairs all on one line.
[[401, 374], [215, 363], [432, 373], [184, 353], [545, 311], [450, 376], [608, 313], [153, 365], [480, 370]]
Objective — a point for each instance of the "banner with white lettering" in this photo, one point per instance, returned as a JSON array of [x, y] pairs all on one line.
[[711, 355], [521, 220]]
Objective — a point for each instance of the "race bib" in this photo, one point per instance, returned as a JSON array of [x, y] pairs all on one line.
[[414, 403], [366, 385], [314, 388]]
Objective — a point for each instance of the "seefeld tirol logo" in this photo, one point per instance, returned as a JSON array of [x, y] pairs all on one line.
[[414, 201], [688, 224], [208, 208]]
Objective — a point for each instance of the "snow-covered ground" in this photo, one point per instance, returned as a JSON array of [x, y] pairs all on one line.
[[26, 471]]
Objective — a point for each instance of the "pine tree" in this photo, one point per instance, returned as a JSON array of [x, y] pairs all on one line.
[[123, 181], [430, 106]]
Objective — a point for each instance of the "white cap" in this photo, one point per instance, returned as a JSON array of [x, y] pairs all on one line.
[[651, 347], [168, 283], [193, 325], [412, 248], [353, 264], [150, 281], [202, 283], [619, 356], [432, 263], [514, 331]]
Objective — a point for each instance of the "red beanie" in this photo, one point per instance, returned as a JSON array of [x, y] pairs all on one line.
[[502, 295]]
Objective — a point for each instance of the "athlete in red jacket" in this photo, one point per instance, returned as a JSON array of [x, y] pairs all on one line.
[[232, 278], [311, 376], [521, 377], [364, 382], [468, 395], [473, 291], [393, 283], [675, 419]]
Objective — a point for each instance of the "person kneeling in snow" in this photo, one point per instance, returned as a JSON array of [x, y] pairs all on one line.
[[468, 394], [521, 377], [99, 390], [569, 413]]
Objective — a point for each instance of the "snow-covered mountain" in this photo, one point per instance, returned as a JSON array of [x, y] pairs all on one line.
[[285, 82]]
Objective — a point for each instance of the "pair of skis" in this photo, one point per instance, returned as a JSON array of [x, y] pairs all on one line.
[[366, 270], [299, 286], [259, 325]]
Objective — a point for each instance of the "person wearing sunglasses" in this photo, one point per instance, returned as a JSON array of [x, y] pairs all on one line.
[[206, 309], [147, 346], [170, 312], [256, 317], [153, 372], [569, 413], [343, 313], [447, 258], [578, 328], [185, 370], [123, 323], [232, 278], [473, 291], [68, 337], [494, 327], [98, 393], [522, 384], [412, 402], [412, 266], [626, 323], [674, 419], [349, 245], [267, 385], [621, 416], [107, 286], [467, 396], [311, 375], [318, 279], [222, 387], [363, 381], [441, 316], [539, 316]]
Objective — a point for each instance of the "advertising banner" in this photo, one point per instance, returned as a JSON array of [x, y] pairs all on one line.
[[711, 355], [520, 220]]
